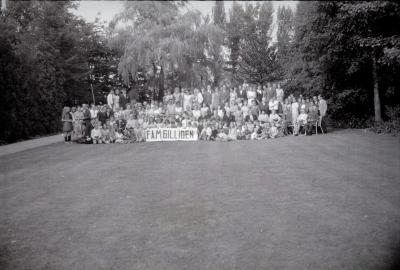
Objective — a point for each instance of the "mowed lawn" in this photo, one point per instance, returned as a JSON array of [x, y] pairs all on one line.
[[319, 202]]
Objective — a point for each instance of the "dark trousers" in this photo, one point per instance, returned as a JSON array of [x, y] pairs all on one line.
[[88, 128], [323, 125]]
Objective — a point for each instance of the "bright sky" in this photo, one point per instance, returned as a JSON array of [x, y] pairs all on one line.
[[106, 10]]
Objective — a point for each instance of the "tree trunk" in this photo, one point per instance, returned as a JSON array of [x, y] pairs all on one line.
[[377, 101], [161, 85]]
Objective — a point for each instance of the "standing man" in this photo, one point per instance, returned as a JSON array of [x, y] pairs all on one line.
[[242, 92], [123, 99], [207, 96], [270, 92], [110, 99], [86, 120], [224, 96], [259, 94], [322, 107], [133, 96]]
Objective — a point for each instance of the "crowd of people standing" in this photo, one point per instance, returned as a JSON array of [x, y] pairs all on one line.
[[219, 113]]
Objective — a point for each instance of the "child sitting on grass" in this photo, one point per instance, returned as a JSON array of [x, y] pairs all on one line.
[[96, 134]]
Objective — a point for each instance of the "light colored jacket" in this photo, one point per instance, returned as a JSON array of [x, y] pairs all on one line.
[[323, 107]]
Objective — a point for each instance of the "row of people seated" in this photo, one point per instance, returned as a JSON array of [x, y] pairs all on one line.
[[291, 116]]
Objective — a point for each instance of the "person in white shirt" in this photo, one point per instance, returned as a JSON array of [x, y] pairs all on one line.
[[198, 97], [196, 112], [251, 95], [187, 100], [110, 99], [116, 99], [95, 134], [273, 104], [300, 122], [274, 119], [279, 93], [204, 110]]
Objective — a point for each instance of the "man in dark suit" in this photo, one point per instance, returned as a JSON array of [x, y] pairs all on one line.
[[224, 97], [133, 96], [207, 96], [241, 93], [123, 99]]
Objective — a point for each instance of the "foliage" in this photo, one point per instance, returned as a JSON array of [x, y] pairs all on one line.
[[253, 56], [44, 52], [334, 46], [159, 40]]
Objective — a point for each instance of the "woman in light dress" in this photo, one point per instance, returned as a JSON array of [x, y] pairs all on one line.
[[295, 110]]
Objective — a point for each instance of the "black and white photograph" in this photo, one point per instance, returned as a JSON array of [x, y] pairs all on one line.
[[169, 135]]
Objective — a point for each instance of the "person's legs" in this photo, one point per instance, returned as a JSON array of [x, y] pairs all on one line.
[[323, 125]]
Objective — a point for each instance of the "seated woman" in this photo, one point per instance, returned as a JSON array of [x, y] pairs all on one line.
[[240, 132], [312, 119], [301, 122], [171, 107], [276, 124], [196, 112], [95, 134], [233, 134], [257, 131], [105, 134], [205, 111], [263, 117], [178, 108]]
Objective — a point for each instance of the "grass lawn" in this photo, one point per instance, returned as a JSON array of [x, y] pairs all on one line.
[[319, 202]]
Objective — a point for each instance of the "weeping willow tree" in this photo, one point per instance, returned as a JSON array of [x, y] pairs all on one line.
[[159, 41]]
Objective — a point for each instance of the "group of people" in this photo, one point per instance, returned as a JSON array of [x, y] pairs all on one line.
[[246, 112]]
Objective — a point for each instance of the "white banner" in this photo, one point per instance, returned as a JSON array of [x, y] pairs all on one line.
[[171, 134]]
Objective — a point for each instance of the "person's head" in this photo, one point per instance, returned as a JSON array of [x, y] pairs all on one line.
[[112, 91], [320, 97], [268, 84], [216, 90], [302, 110], [278, 85], [117, 92], [253, 102], [263, 112], [105, 126]]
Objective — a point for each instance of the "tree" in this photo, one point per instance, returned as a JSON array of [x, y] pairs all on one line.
[[163, 43], [258, 58], [234, 35], [44, 66], [285, 33], [343, 50]]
